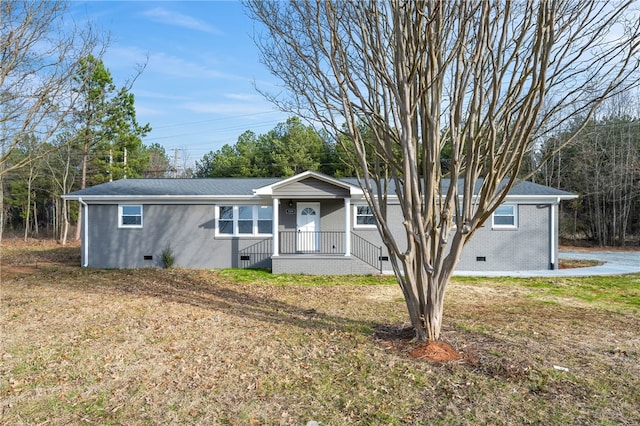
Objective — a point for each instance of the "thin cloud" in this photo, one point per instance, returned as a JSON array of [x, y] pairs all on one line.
[[125, 58], [178, 67], [161, 96], [145, 111], [246, 109], [164, 16], [163, 63], [244, 97]]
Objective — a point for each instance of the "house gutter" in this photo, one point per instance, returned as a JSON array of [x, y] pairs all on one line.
[[85, 236]]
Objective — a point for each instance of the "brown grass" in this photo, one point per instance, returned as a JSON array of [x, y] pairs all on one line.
[[86, 346]]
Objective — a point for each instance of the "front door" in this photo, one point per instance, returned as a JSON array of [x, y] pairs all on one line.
[[308, 227]]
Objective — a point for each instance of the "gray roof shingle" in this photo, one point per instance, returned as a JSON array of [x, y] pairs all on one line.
[[177, 187], [523, 188], [241, 187]]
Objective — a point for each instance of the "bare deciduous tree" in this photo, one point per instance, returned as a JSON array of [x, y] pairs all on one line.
[[39, 52], [63, 166], [478, 80]]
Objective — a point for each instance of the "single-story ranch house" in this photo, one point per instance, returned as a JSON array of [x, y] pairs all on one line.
[[309, 223]]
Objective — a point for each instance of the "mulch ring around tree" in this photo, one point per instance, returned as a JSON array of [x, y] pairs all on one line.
[[401, 339]]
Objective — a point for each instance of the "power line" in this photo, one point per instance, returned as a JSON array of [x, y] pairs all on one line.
[[209, 131], [187, 123]]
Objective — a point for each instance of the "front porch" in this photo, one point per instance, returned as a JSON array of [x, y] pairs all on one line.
[[316, 253], [312, 229]]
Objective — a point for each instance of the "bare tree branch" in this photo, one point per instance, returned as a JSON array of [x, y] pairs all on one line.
[[39, 52]]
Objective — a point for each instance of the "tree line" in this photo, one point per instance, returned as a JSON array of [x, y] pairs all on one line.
[[291, 147], [100, 141], [602, 165], [64, 123]]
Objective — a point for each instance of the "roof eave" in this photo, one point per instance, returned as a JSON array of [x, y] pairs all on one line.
[[541, 198], [158, 198]]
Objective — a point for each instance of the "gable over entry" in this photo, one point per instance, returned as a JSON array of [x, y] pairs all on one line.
[[309, 186]]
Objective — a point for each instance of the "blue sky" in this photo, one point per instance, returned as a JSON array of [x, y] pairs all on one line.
[[197, 91]]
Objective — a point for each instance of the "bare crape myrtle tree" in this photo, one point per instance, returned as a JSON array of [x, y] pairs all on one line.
[[420, 92]]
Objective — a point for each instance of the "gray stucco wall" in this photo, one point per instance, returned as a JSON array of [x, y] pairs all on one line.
[[189, 229], [331, 214], [524, 248], [321, 265]]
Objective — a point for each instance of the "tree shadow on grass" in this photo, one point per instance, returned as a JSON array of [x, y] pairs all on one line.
[[58, 254], [206, 290], [59, 266]]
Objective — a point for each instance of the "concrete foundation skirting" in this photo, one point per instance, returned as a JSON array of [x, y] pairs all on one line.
[[314, 264]]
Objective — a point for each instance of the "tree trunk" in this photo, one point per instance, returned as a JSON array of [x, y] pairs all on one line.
[[28, 211], [83, 185], [1, 205], [424, 283], [36, 230], [56, 218]]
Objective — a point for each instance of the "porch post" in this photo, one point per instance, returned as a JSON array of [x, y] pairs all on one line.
[[347, 226], [275, 225]]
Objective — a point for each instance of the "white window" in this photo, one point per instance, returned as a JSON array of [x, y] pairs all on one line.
[[364, 217], [505, 217], [244, 220], [129, 216], [225, 220], [265, 220]]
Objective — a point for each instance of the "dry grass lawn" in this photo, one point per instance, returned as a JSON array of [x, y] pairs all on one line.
[[135, 347]]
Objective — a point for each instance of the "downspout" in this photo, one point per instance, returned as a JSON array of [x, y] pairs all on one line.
[[552, 235], [85, 236]]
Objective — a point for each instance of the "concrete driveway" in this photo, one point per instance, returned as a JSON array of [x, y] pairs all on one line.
[[616, 263]]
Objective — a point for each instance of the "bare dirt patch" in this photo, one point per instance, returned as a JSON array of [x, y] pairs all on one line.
[[402, 340], [587, 247], [435, 351], [578, 263]]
